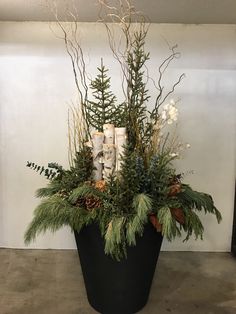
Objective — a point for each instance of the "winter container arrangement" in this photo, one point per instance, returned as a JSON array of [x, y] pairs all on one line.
[[121, 194]]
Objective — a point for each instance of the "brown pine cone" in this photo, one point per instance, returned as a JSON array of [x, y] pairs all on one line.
[[92, 202], [155, 222], [178, 214]]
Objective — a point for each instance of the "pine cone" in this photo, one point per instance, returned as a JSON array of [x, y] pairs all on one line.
[[92, 202], [153, 219], [178, 214]]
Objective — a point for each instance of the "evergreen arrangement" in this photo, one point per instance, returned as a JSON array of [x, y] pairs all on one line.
[[122, 175]]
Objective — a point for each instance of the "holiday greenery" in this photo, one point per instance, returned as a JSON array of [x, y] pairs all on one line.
[[102, 110], [142, 185]]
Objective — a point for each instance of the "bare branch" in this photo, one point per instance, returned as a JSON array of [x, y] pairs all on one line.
[[160, 98], [173, 88]]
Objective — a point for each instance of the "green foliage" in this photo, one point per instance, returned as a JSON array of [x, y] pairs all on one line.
[[56, 210], [80, 172], [82, 191], [137, 92], [160, 174], [192, 224], [52, 188], [199, 201], [103, 110], [51, 214], [129, 178], [76, 175], [51, 172], [125, 205], [114, 238], [142, 204], [79, 218], [133, 174], [169, 225]]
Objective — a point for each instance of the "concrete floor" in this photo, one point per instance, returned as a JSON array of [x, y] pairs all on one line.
[[48, 282]]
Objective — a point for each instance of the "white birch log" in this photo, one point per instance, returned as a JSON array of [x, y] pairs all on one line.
[[97, 140], [109, 133], [120, 142], [109, 159]]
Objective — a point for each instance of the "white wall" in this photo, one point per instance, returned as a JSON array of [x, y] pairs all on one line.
[[36, 85]]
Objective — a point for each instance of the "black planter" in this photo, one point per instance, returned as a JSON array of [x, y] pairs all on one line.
[[233, 244], [118, 287]]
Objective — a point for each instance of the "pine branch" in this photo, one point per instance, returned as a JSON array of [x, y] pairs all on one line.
[[79, 218], [169, 226], [114, 237], [54, 213], [52, 188], [143, 206], [51, 214], [137, 92], [133, 228], [84, 190]]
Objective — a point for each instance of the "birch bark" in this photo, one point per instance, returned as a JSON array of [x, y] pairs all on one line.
[[109, 133], [120, 142], [109, 159], [97, 141]]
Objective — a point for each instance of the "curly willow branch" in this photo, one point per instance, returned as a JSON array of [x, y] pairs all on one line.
[[129, 22], [70, 34]]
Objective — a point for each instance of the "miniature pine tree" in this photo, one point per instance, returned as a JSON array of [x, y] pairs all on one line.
[[102, 110]]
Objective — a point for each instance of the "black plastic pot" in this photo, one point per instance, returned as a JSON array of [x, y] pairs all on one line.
[[118, 287]]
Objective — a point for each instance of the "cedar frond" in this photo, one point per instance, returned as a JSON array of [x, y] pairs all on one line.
[[199, 201], [193, 225]]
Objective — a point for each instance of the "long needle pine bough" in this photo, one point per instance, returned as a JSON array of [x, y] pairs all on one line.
[[147, 189]]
